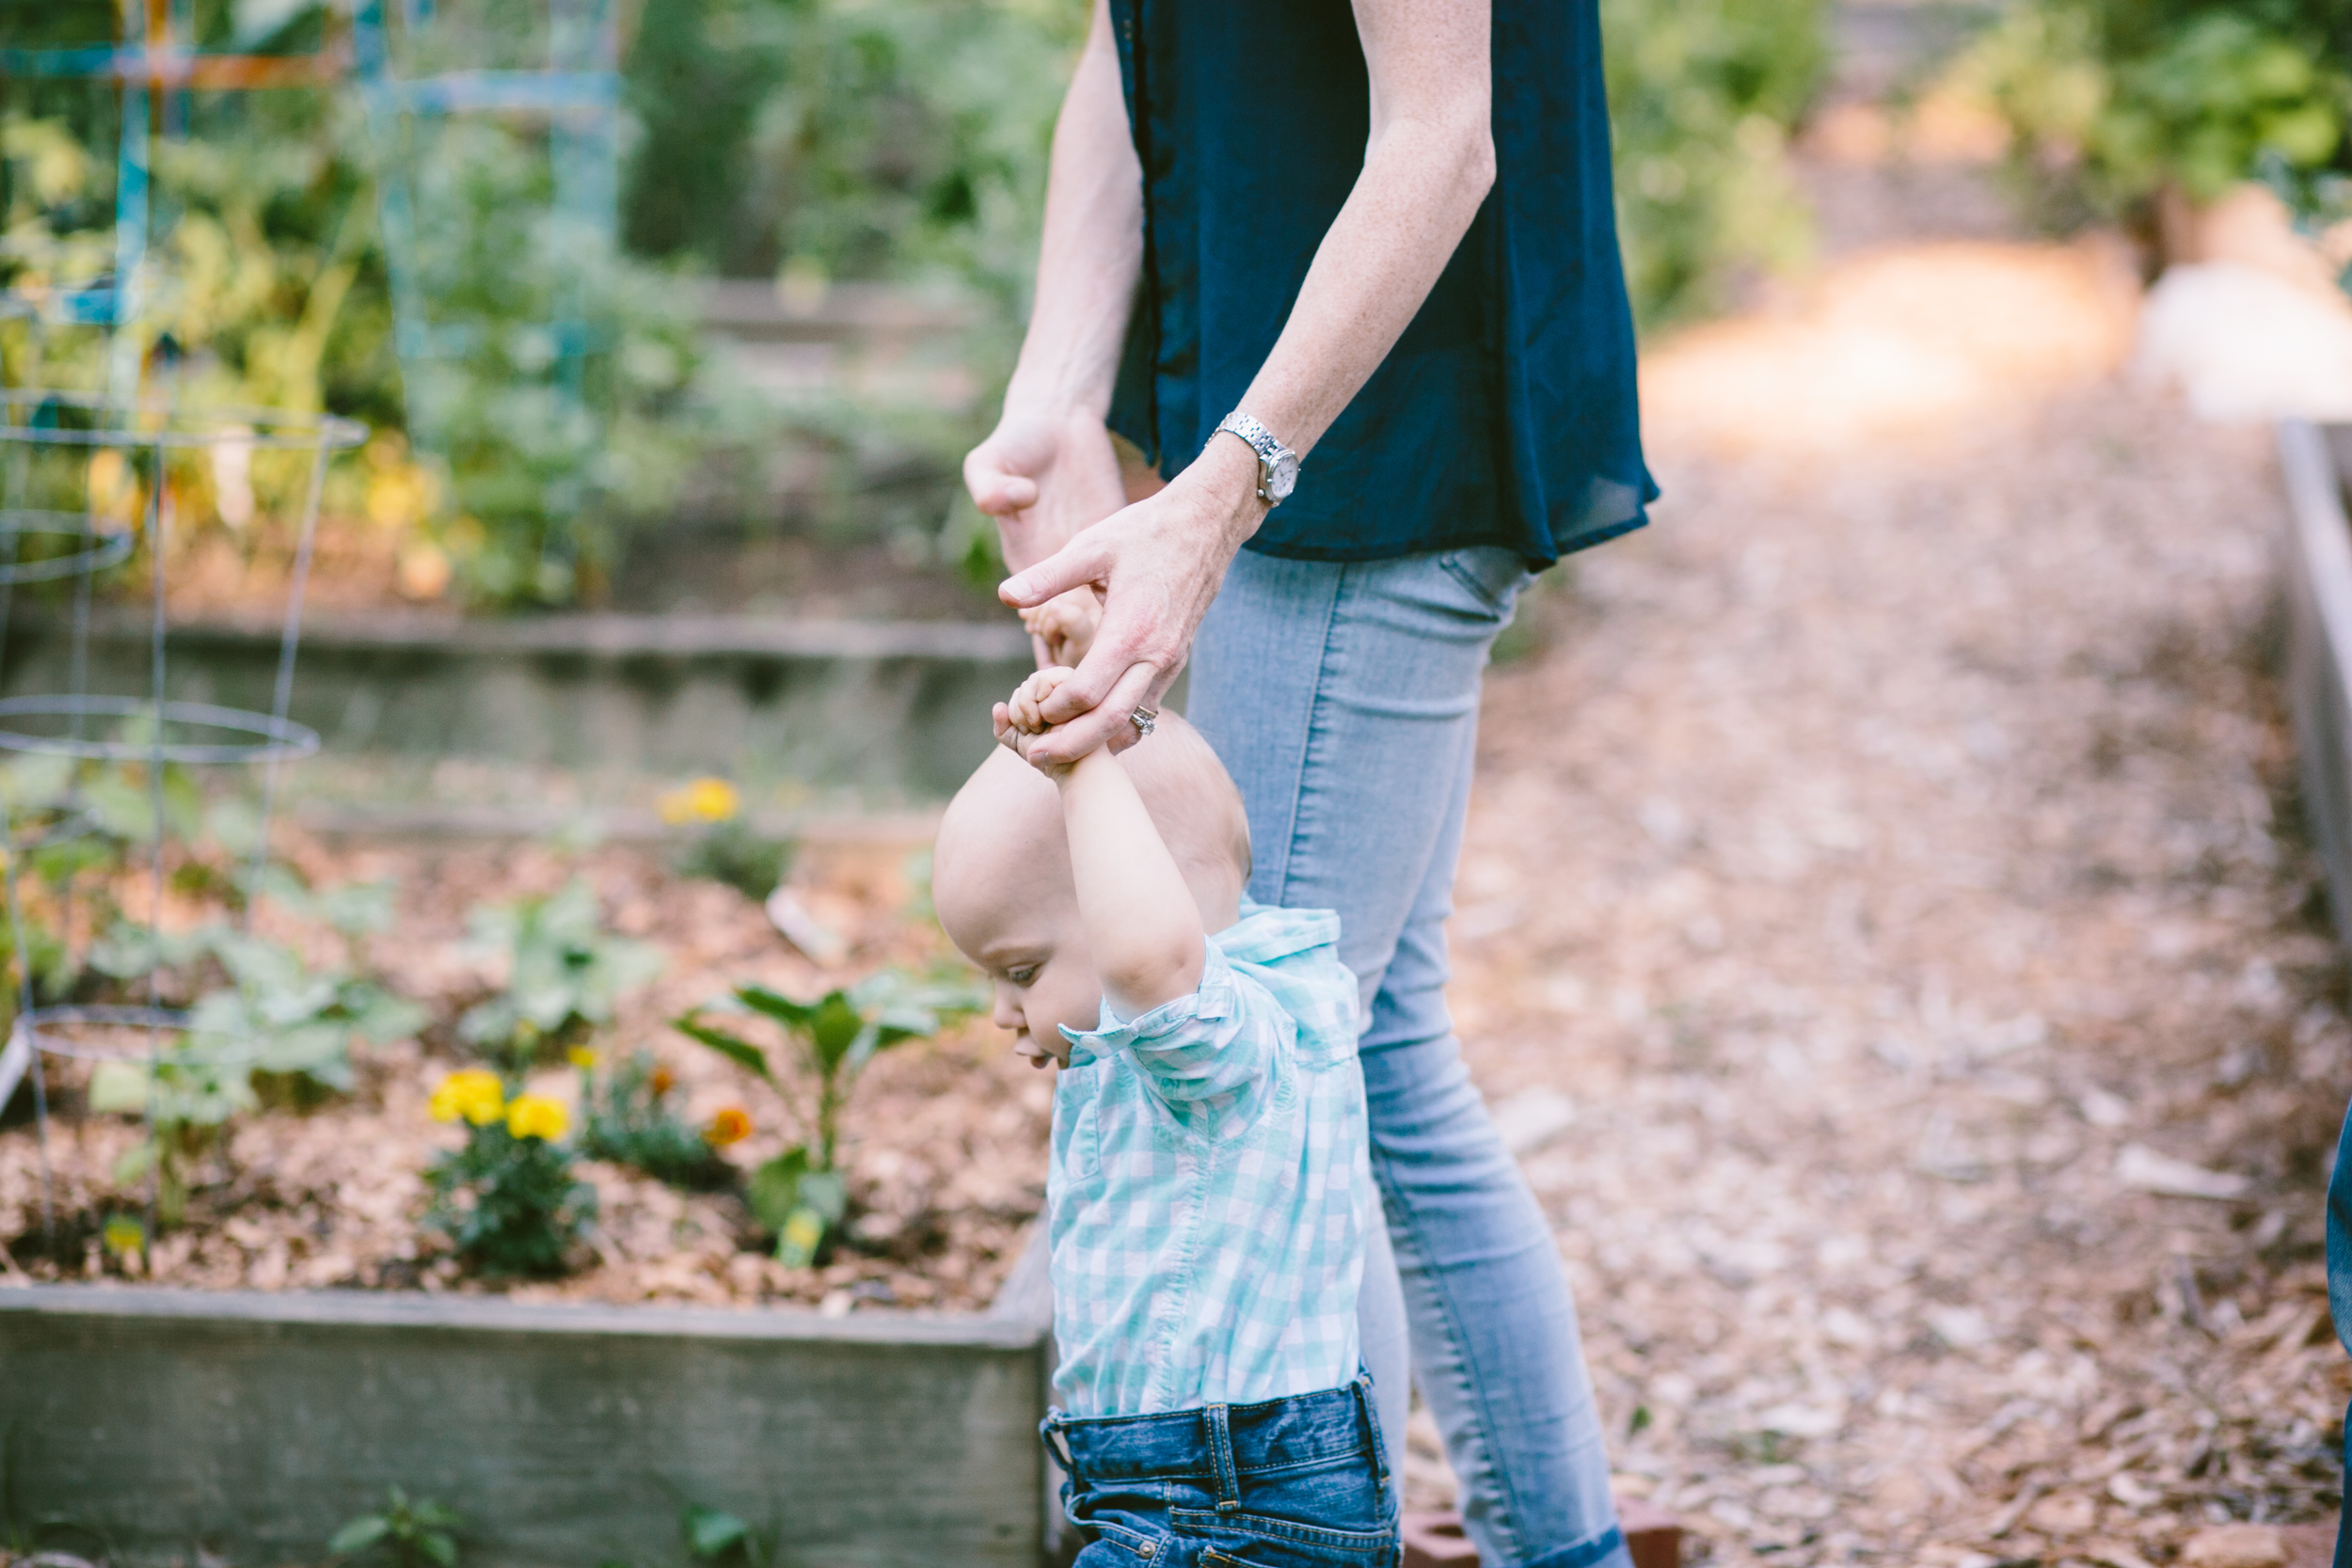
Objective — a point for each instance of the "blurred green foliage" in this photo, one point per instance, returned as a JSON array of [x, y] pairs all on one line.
[[2111, 100], [268, 287], [907, 139], [1704, 96], [899, 139], [811, 141], [562, 392]]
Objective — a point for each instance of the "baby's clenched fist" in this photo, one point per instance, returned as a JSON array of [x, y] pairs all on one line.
[[1022, 719]]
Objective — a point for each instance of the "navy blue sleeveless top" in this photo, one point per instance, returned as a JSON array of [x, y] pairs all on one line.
[[1506, 415]]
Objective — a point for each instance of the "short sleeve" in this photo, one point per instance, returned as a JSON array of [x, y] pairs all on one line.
[[1208, 1055]]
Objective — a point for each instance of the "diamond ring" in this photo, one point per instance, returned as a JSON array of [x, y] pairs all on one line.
[[1144, 719]]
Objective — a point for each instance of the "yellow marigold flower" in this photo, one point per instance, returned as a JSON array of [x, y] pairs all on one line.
[[583, 1058], [704, 801], [732, 1125], [471, 1095], [535, 1115]]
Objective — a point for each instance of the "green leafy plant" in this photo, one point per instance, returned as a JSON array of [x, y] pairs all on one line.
[[507, 1199], [738, 854], [565, 973], [301, 1022], [801, 1193], [278, 1029], [566, 387], [1703, 99], [187, 1093], [848, 141], [713, 1535], [631, 1122], [414, 1530], [568, 393], [723, 846], [282, 1017], [2115, 99]]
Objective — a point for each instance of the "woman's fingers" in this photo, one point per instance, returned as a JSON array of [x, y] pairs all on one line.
[[1103, 723], [1077, 564], [996, 487], [1110, 662], [1002, 472]]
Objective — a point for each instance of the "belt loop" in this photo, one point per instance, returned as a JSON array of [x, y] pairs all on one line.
[[1372, 1424], [1221, 1449], [1049, 1429]]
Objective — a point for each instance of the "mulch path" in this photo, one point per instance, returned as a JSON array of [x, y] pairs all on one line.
[[1887, 879]]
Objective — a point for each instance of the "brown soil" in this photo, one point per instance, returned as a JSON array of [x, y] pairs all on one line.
[[945, 1139]]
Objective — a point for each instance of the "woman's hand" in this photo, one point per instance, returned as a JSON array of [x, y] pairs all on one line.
[[1044, 477], [1063, 629], [1157, 564]]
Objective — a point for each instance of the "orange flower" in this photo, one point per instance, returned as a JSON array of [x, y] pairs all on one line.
[[732, 1125], [661, 1082]]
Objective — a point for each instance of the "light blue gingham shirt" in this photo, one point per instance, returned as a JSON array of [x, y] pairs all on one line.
[[1211, 1184]]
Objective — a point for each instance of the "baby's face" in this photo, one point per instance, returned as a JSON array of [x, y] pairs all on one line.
[[1024, 930]]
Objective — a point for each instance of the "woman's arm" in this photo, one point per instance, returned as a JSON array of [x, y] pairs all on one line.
[[1429, 164], [1048, 470]]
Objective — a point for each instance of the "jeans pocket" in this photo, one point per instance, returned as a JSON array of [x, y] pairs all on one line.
[[1258, 1541], [1493, 576]]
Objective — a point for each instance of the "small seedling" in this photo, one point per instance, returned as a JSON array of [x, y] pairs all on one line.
[[415, 1531], [631, 1122], [723, 846], [187, 1093], [800, 1194], [565, 973], [277, 1028], [713, 1536]]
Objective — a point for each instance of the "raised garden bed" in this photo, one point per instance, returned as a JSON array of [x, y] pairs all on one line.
[[887, 709], [313, 1341], [2316, 463], [945, 1139], [159, 1426]]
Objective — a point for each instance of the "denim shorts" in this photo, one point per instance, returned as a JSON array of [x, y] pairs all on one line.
[[1297, 1482]]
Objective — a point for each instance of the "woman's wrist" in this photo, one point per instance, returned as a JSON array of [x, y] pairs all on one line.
[[1227, 473], [1042, 398]]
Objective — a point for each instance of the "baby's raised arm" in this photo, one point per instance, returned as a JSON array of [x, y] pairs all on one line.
[[1142, 928]]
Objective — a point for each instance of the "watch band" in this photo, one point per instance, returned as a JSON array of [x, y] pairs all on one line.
[[1273, 456]]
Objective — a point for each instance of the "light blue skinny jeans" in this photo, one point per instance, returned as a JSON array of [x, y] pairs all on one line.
[[1344, 697]]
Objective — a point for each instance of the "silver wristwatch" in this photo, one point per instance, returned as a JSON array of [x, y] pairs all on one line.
[[1277, 466]]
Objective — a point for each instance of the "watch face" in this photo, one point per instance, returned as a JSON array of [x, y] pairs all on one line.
[[1284, 479]]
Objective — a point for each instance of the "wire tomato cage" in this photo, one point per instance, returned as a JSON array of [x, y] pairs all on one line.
[[91, 486]]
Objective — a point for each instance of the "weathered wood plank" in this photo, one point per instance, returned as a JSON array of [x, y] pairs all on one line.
[[900, 708], [2318, 575], [567, 1436]]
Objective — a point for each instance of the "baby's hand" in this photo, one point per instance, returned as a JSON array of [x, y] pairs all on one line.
[[1021, 720], [1065, 624]]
